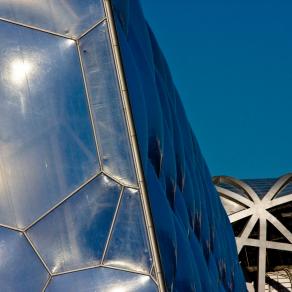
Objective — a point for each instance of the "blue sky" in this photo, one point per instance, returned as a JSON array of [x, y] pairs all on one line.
[[232, 64]]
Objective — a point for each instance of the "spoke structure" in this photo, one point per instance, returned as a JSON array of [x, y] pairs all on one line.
[[259, 210]]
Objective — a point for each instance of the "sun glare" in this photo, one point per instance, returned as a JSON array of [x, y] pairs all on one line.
[[20, 71]]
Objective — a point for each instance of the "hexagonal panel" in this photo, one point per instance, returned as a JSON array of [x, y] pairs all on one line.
[[20, 268], [66, 17], [106, 104], [129, 246], [47, 146], [102, 279], [73, 236]]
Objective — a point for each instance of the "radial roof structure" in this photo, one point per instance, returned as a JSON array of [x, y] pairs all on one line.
[[260, 211]]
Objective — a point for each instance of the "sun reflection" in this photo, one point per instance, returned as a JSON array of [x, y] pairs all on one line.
[[20, 70], [118, 289], [133, 285]]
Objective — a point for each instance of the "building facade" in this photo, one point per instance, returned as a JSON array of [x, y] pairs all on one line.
[[102, 183], [260, 211]]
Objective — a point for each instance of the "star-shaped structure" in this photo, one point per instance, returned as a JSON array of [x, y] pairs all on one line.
[[242, 201]]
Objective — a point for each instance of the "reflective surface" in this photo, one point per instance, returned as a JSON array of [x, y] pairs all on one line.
[[67, 17], [20, 268], [106, 105], [55, 129], [74, 235], [61, 114], [66, 164], [129, 247], [47, 147], [102, 279], [196, 243]]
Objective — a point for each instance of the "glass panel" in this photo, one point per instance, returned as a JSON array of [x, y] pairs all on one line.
[[129, 247], [47, 147], [20, 268], [74, 235], [106, 104], [67, 17], [102, 279]]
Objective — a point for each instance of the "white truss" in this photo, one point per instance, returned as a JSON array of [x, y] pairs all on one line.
[[258, 209]]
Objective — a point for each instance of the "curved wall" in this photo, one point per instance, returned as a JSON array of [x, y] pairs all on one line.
[[74, 210], [195, 239]]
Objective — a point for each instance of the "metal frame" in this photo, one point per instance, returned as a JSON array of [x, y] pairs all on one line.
[[134, 143], [258, 210]]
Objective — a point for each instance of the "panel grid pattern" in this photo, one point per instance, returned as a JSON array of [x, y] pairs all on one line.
[[102, 182], [195, 239], [94, 234]]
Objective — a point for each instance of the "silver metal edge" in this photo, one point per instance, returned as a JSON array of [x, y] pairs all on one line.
[[133, 142]]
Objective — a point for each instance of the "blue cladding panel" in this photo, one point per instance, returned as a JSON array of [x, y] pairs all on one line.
[[165, 226], [47, 147], [102, 279], [195, 240], [106, 104], [74, 235], [129, 243], [67, 17], [20, 268]]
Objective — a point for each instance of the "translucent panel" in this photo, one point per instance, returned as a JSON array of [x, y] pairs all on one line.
[[102, 279], [74, 235], [20, 268], [106, 104], [67, 17], [129, 247], [47, 147], [164, 225]]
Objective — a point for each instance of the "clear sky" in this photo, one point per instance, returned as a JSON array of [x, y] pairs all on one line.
[[232, 64]]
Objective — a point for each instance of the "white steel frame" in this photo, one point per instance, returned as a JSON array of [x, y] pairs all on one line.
[[258, 209]]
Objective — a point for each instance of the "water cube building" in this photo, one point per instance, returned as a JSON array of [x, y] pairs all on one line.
[[102, 183]]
